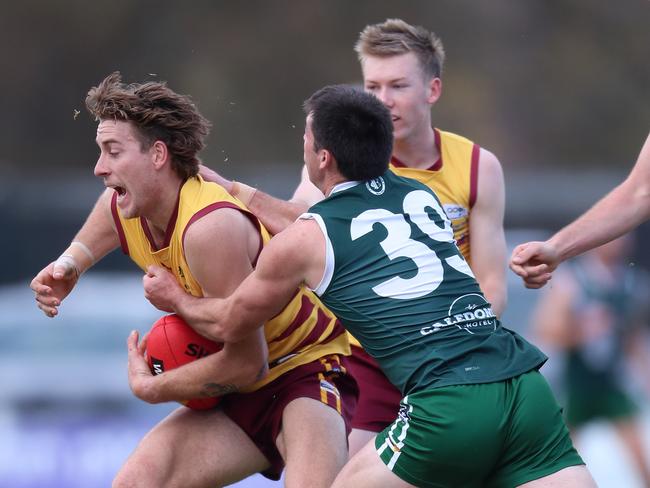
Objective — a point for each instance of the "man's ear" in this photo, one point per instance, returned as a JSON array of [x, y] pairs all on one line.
[[435, 90], [159, 154], [324, 158]]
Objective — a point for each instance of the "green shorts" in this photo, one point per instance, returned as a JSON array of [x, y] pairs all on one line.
[[490, 435]]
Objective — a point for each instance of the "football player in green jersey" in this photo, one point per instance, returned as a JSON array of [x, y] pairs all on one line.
[[380, 252]]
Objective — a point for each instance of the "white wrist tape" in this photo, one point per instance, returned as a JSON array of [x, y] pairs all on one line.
[[67, 262], [77, 257], [85, 249]]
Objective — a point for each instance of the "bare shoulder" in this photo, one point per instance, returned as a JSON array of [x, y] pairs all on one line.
[[489, 164], [298, 252], [105, 202], [302, 235], [106, 196], [222, 233], [641, 169], [491, 184], [219, 223], [220, 247]]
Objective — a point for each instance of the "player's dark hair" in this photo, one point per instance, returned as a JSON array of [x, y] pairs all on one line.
[[158, 114], [355, 127]]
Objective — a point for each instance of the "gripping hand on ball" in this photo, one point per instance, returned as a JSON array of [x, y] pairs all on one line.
[[141, 380]]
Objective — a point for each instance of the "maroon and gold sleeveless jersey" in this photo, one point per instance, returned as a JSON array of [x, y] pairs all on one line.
[[303, 332], [454, 178]]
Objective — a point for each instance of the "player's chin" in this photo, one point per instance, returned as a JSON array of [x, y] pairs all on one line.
[[399, 133], [127, 206]]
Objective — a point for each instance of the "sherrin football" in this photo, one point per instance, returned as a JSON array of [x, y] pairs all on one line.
[[172, 343]]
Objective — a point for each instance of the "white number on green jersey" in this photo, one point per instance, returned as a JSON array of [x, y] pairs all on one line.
[[398, 243]]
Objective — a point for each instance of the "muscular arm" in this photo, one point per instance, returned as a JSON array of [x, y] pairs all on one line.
[[274, 213], [487, 238], [621, 210], [281, 269], [219, 249], [96, 238]]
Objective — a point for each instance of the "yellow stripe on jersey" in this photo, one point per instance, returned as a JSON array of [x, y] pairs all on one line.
[[303, 332]]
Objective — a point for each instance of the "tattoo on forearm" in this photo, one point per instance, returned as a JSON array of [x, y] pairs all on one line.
[[215, 389]]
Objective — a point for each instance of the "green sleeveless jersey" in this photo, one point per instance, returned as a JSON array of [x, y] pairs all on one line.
[[397, 281]]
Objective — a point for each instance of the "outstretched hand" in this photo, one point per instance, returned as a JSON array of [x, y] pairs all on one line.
[[161, 288], [535, 262], [53, 283]]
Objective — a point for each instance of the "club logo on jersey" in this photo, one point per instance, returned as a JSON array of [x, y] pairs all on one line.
[[467, 313], [376, 186], [455, 211]]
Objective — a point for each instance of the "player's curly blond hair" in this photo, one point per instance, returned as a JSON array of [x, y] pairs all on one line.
[[158, 114], [394, 37]]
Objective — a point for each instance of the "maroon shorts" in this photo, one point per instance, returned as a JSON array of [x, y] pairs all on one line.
[[259, 413], [379, 400]]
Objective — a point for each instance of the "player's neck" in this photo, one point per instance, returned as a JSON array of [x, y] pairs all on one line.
[[330, 181], [419, 150], [164, 209]]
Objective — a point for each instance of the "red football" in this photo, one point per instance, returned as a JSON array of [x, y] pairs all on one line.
[[172, 343]]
